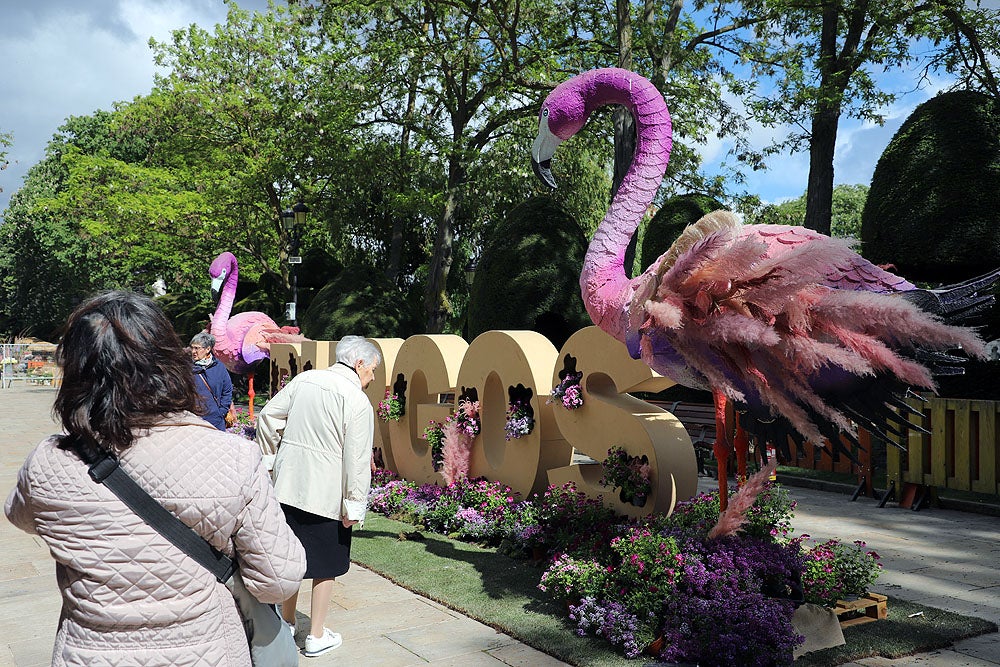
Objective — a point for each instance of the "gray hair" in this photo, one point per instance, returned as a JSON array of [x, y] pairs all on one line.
[[352, 349], [204, 339]]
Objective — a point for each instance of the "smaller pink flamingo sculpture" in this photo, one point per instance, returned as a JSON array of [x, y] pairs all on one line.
[[243, 339]]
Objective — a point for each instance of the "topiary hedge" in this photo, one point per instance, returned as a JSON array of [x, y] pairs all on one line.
[[668, 223], [359, 301], [932, 207], [528, 275]]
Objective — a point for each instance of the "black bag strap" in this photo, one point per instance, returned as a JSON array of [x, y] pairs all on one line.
[[106, 471]]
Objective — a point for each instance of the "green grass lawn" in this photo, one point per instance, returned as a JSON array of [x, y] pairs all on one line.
[[501, 592]]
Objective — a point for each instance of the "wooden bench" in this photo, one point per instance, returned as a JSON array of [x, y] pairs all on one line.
[[699, 421]]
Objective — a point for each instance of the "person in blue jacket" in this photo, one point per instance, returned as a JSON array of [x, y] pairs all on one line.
[[212, 380]]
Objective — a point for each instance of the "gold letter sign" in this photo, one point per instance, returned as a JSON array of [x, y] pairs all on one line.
[[429, 373]]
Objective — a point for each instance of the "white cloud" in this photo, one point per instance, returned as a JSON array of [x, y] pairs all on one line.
[[67, 58]]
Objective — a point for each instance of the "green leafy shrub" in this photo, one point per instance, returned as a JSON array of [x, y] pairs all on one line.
[[529, 272], [668, 223], [931, 210], [360, 301]]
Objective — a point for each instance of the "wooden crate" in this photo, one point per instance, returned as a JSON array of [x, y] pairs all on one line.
[[872, 604]]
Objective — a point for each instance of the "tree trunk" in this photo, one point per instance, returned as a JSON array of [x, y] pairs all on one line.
[[436, 306], [624, 123], [819, 197], [823, 140], [398, 221]]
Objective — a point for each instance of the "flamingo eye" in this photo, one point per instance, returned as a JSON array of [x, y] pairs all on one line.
[[545, 112]]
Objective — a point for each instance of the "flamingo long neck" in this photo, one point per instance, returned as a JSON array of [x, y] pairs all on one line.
[[606, 288], [226, 298]]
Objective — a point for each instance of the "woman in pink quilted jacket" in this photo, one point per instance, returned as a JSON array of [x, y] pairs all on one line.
[[129, 596]]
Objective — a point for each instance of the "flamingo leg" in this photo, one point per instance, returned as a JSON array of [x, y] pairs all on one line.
[[250, 391], [721, 448], [741, 444]]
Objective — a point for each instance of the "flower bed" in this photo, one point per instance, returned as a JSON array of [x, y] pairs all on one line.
[[714, 601], [245, 425]]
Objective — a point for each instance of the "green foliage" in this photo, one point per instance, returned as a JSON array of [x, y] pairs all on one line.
[[49, 260], [668, 223], [932, 208], [848, 204], [5, 142], [528, 274], [361, 302]]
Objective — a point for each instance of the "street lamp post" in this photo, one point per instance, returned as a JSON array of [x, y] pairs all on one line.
[[293, 221], [470, 277]]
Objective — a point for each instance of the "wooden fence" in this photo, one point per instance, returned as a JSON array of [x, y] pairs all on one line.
[[962, 451], [959, 453]]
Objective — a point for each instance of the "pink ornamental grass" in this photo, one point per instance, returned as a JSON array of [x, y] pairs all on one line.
[[733, 518], [460, 431]]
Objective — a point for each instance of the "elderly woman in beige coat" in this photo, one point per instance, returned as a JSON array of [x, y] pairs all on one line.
[[130, 597], [322, 425]]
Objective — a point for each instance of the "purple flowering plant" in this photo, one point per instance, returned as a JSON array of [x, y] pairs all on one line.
[[568, 391], [245, 425], [613, 621], [467, 418], [434, 434], [729, 627], [636, 579], [390, 408], [520, 421], [834, 570], [628, 473]]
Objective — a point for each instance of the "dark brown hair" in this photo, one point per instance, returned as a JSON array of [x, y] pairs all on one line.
[[123, 368]]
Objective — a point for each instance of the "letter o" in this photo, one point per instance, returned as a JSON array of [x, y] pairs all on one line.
[[495, 361]]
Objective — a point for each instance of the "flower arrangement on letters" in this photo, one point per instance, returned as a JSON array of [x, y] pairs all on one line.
[[390, 408]]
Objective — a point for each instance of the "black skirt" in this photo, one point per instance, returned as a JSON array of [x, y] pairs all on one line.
[[326, 541]]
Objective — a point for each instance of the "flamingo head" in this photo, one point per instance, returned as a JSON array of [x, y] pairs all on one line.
[[563, 113], [220, 269]]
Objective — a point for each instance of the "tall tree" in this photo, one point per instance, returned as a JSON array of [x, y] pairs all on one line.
[[477, 68], [846, 208], [821, 57], [263, 110], [49, 258], [5, 142]]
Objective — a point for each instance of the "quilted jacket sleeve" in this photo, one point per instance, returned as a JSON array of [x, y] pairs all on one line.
[[272, 560], [18, 505]]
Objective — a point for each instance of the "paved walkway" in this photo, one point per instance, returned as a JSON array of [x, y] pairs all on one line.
[[940, 558]]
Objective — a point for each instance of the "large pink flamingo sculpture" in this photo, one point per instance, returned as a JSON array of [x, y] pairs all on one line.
[[243, 339], [805, 337]]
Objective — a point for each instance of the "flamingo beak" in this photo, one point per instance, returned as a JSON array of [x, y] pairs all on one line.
[[541, 155], [217, 284]]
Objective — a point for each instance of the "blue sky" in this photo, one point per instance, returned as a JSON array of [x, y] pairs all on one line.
[[70, 58]]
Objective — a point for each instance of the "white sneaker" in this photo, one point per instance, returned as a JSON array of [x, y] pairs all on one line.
[[291, 627], [319, 645]]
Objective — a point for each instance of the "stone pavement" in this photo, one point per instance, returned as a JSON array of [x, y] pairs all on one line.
[[940, 558]]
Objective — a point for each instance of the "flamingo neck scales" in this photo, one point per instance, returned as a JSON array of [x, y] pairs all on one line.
[[220, 320], [605, 287]]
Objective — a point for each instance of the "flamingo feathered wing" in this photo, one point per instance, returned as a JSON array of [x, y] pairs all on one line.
[[804, 335]]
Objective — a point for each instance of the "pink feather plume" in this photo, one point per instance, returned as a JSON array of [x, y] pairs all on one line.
[[732, 519]]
